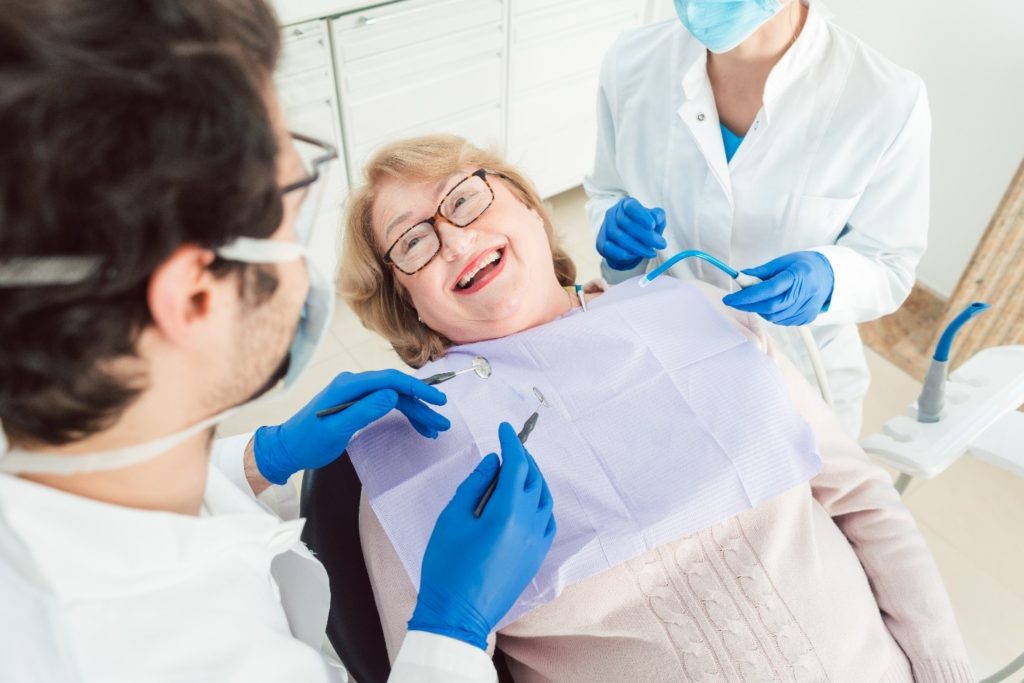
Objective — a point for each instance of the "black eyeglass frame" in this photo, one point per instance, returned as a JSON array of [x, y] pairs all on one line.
[[480, 173], [330, 153]]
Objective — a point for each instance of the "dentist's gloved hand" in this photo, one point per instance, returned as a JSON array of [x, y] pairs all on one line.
[[474, 569], [796, 288], [630, 233], [307, 442]]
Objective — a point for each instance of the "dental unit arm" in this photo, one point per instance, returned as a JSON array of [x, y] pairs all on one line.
[[974, 410], [744, 281]]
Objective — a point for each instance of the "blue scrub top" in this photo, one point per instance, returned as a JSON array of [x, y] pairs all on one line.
[[731, 141]]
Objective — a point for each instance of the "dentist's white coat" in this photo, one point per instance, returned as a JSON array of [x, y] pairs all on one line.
[[836, 161], [97, 592]]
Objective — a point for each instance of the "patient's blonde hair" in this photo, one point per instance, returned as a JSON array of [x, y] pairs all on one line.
[[369, 286]]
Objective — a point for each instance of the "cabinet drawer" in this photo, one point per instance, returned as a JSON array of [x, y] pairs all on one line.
[[423, 101], [369, 32], [399, 67], [559, 160], [538, 62], [311, 86], [543, 17], [303, 47], [483, 127], [567, 103]]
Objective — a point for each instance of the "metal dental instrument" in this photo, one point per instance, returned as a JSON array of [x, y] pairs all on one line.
[[481, 367], [523, 435]]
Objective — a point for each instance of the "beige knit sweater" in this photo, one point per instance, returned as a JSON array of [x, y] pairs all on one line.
[[830, 581]]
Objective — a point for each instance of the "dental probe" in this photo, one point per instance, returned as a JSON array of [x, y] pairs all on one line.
[[481, 367], [523, 435]]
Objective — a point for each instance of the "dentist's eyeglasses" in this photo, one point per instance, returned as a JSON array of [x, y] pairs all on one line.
[[316, 156], [463, 204]]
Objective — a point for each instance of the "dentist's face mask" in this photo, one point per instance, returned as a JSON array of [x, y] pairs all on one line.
[[313, 322], [721, 25]]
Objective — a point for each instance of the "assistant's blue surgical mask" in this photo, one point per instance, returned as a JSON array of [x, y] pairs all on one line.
[[721, 25]]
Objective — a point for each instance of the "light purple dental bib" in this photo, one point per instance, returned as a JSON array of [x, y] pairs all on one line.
[[662, 420]]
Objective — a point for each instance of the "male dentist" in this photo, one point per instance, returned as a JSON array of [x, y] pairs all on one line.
[[153, 278]]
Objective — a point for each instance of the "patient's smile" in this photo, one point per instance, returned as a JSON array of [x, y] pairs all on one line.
[[481, 271]]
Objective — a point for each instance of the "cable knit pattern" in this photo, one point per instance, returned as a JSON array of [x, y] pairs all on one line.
[[697, 658], [791, 641]]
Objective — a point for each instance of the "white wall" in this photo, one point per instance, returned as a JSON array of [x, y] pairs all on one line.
[[971, 56]]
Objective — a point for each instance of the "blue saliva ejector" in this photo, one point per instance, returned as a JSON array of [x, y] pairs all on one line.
[[744, 280], [694, 253], [933, 394]]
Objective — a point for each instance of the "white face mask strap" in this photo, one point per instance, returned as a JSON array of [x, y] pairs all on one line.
[[249, 250], [17, 461], [36, 271]]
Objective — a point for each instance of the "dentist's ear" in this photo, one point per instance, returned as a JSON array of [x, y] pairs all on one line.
[[181, 296]]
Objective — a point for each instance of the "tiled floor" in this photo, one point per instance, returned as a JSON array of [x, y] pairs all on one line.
[[971, 515]]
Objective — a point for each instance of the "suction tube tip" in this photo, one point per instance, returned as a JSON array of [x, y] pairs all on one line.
[[945, 344]]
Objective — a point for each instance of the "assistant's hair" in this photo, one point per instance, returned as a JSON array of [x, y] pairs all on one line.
[[369, 286], [127, 129]]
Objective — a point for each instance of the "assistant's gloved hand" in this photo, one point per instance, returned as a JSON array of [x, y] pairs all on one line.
[[796, 288], [307, 442], [630, 233], [475, 569]]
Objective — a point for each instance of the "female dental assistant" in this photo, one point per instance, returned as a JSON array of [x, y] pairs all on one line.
[[763, 134]]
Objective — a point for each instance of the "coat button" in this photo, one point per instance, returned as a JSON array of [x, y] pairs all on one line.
[[700, 117]]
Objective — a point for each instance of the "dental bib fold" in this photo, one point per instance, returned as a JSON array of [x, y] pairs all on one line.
[[663, 420]]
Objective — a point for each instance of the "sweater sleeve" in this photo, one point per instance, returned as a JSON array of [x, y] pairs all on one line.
[[859, 496]]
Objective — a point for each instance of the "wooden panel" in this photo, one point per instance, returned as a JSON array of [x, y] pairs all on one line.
[[994, 275], [904, 337]]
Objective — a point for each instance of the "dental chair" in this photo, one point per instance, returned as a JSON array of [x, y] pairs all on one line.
[[330, 504]]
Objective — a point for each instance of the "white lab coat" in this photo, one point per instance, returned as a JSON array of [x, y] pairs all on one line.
[[836, 161], [97, 592]]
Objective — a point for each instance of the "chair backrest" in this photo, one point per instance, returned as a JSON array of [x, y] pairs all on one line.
[[330, 504]]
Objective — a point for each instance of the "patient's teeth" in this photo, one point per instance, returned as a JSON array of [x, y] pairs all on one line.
[[491, 258]]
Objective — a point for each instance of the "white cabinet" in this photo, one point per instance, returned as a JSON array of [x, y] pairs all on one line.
[[306, 87], [516, 75], [555, 52], [420, 66]]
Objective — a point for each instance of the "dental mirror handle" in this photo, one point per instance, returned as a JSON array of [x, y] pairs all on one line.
[[432, 380], [523, 435]]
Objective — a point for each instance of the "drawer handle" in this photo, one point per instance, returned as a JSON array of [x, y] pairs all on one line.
[[368, 21]]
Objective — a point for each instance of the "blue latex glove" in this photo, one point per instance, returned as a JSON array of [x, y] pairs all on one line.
[[630, 233], [796, 288], [307, 442], [475, 569]]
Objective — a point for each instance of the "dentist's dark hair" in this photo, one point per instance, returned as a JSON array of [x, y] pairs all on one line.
[[127, 129]]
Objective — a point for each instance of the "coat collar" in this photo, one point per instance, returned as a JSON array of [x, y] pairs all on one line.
[[809, 47]]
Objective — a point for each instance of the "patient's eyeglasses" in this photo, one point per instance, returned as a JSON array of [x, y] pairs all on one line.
[[463, 204]]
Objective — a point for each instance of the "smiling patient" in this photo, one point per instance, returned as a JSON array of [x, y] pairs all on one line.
[[447, 245]]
